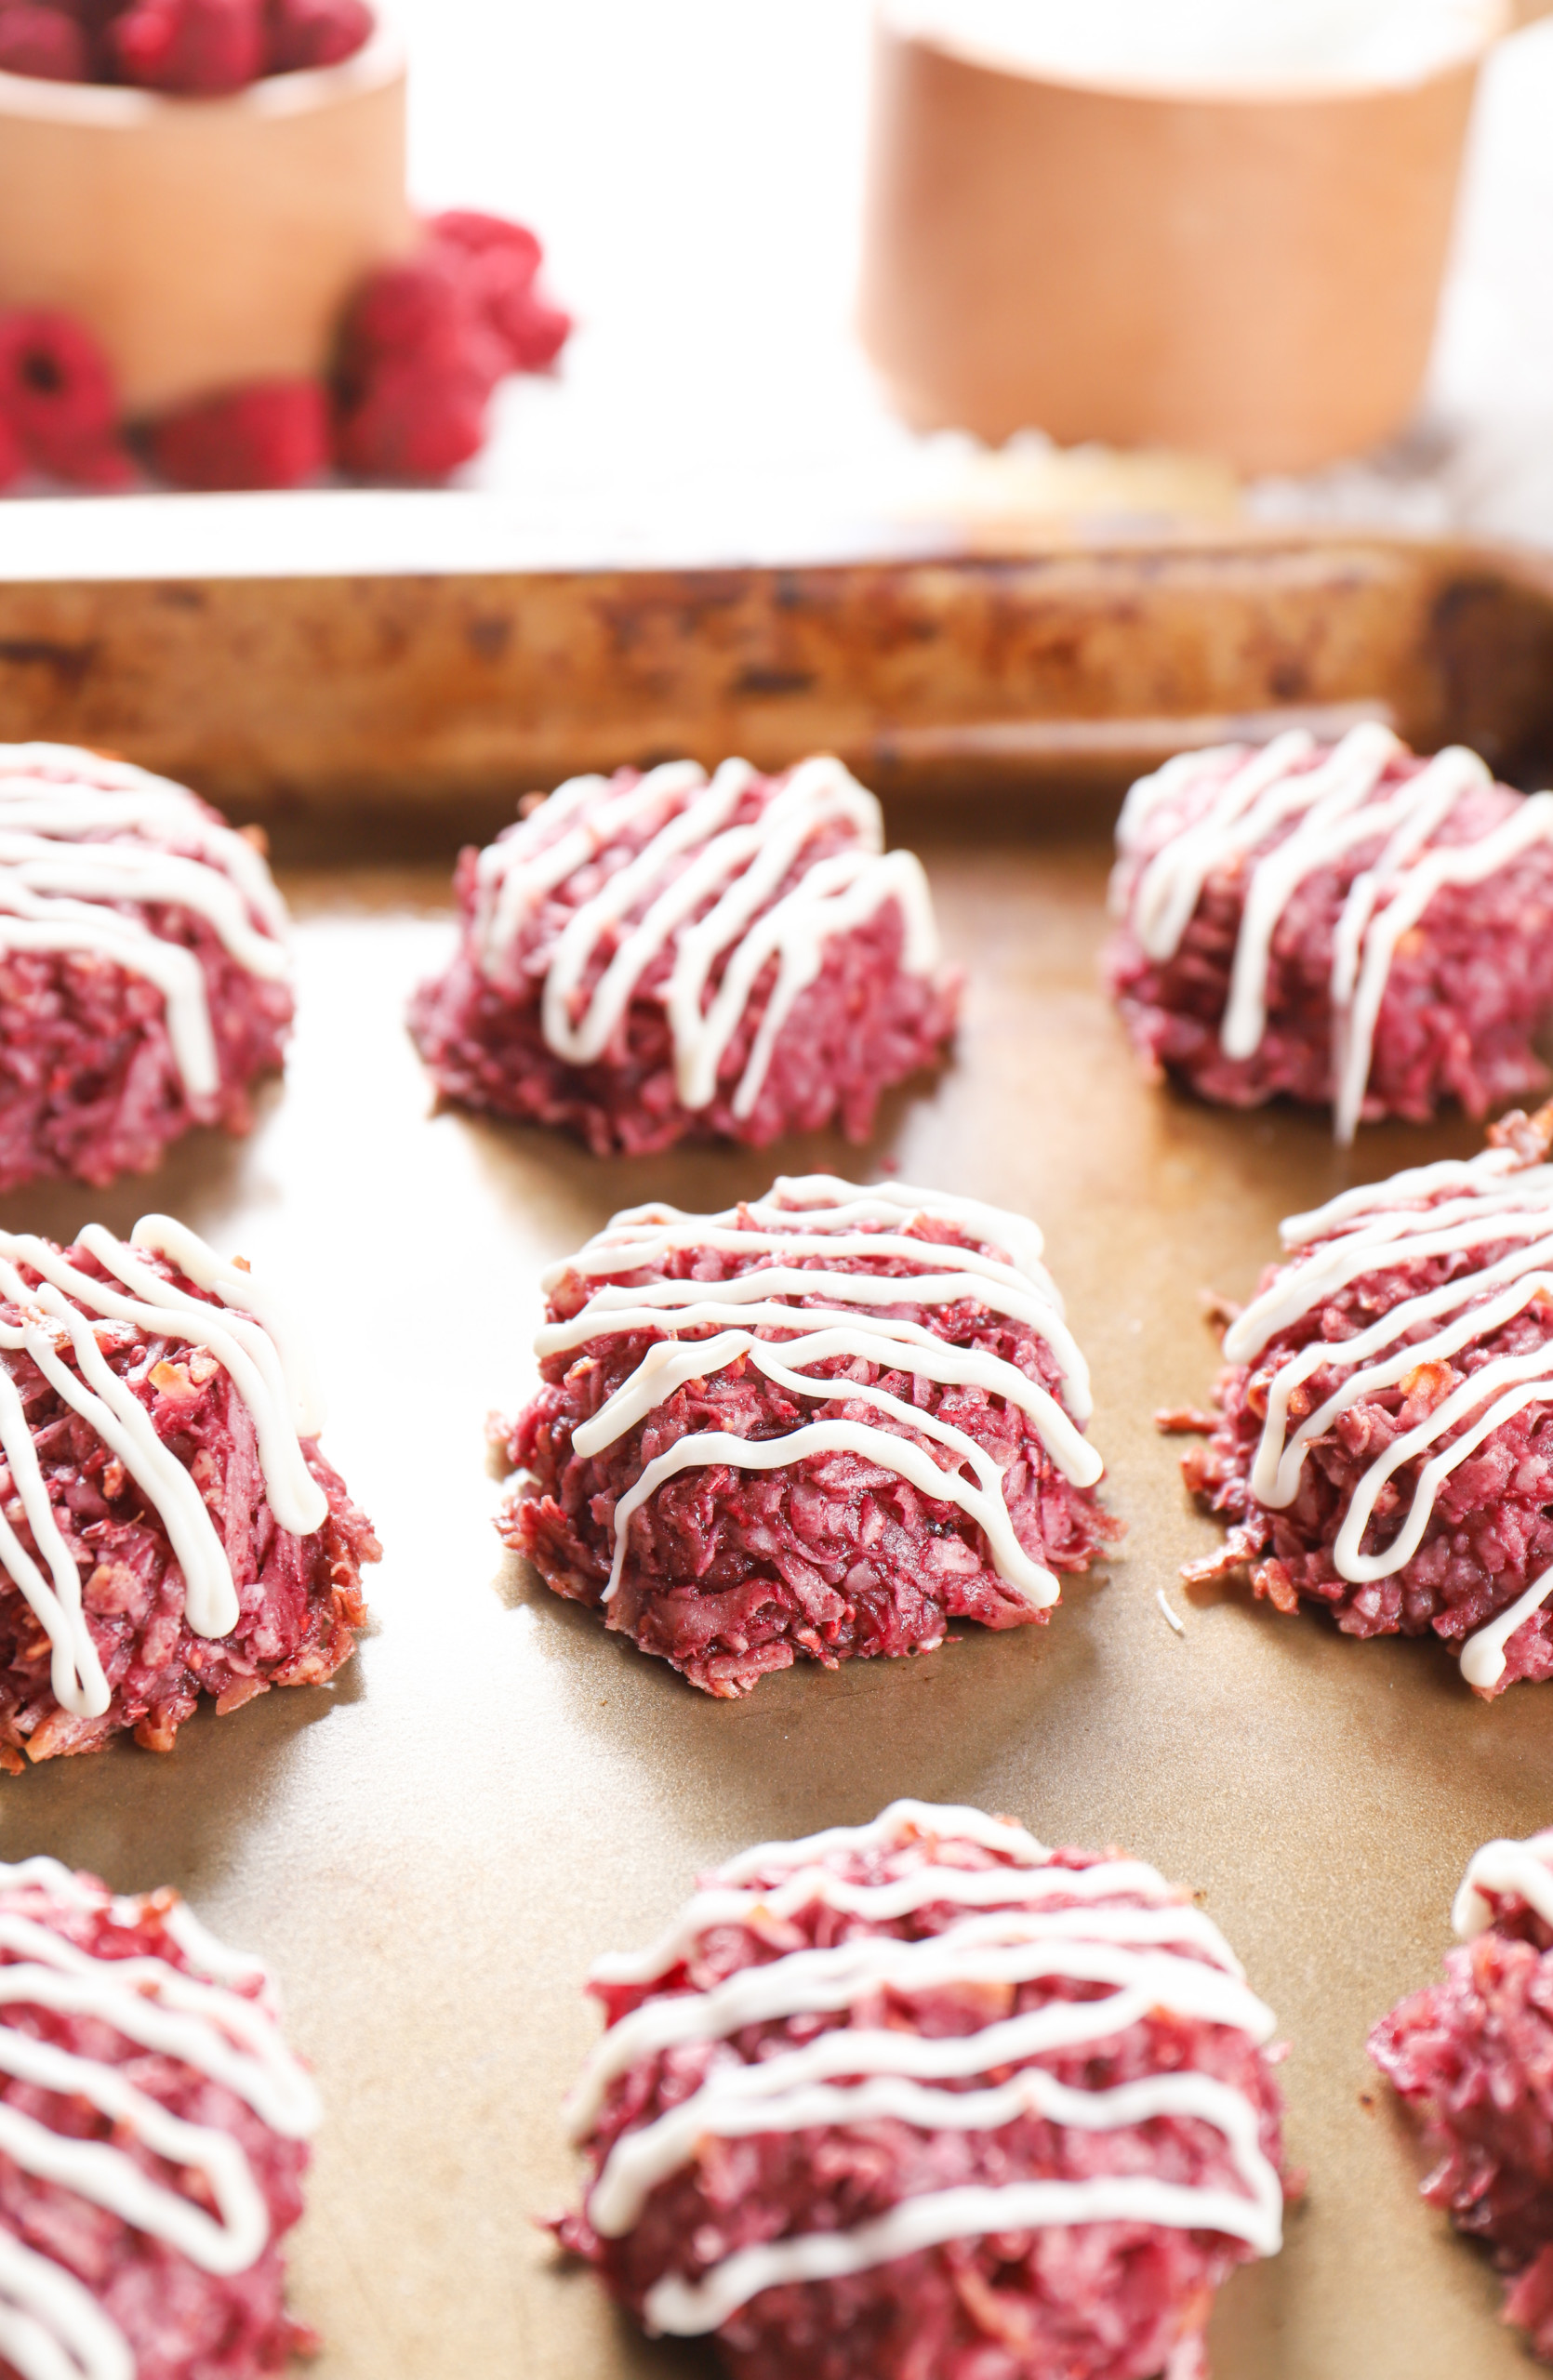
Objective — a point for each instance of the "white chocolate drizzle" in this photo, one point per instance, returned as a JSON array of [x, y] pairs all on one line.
[[255, 1346], [1447, 1210], [51, 2327], [1282, 814], [1504, 1867], [1116, 1924], [705, 888], [79, 833], [820, 1216], [1482, 1656]]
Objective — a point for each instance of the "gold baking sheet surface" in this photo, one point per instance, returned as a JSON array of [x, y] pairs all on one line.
[[432, 1851]]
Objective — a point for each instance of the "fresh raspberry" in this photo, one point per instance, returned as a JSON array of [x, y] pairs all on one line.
[[496, 263], [12, 460], [57, 391], [273, 434], [474, 234], [201, 47], [99, 464], [43, 42], [534, 331], [315, 32], [93, 18], [422, 313], [411, 420]]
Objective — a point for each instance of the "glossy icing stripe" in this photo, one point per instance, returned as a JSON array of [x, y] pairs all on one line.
[[60, 790], [1429, 873], [690, 2309], [668, 1366], [140, 872], [56, 885], [513, 874], [1117, 1925], [1482, 1656], [51, 2328], [1419, 1182], [982, 1503], [1280, 1459], [826, 1202], [1408, 1240], [228, 2242], [642, 2160], [741, 2102], [1503, 1866], [229, 2035], [903, 1821], [724, 1904], [999, 1947], [812, 1213], [62, 1308], [1282, 816], [695, 857], [1457, 1210], [741, 1307], [175, 972]]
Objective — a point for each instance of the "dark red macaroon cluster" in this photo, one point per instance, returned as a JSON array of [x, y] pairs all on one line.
[[181, 2321], [1098, 2301], [862, 1025], [730, 1573], [1491, 1531], [1473, 2054], [1468, 988], [299, 1598], [198, 48]]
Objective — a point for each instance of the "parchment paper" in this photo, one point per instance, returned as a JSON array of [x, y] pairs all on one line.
[[495, 1789]]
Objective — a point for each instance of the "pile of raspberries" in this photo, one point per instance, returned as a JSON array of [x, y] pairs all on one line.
[[420, 349], [205, 48]]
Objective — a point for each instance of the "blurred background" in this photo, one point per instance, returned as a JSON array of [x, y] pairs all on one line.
[[696, 171], [701, 177]]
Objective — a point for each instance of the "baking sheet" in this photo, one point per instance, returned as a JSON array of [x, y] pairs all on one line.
[[432, 1850], [421, 704]]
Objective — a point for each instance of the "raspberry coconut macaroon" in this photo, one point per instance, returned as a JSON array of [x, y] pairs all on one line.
[[926, 2097], [1473, 2054], [648, 959], [144, 977], [154, 2129], [1340, 923], [828, 1422], [169, 1527], [1383, 1434]]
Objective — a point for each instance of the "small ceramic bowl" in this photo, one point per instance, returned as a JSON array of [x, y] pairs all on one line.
[[208, 242], [1251, 272]]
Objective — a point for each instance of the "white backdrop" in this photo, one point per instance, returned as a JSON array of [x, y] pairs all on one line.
[[696, 169], [696, 165]]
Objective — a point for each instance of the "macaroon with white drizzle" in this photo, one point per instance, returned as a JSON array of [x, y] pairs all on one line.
[[672, 924], [196, 1405], [1310, 879], [915, 1335], [1472, 2053], [1389, 1412], [969, 2021], [134, 1987], [104, 865]]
